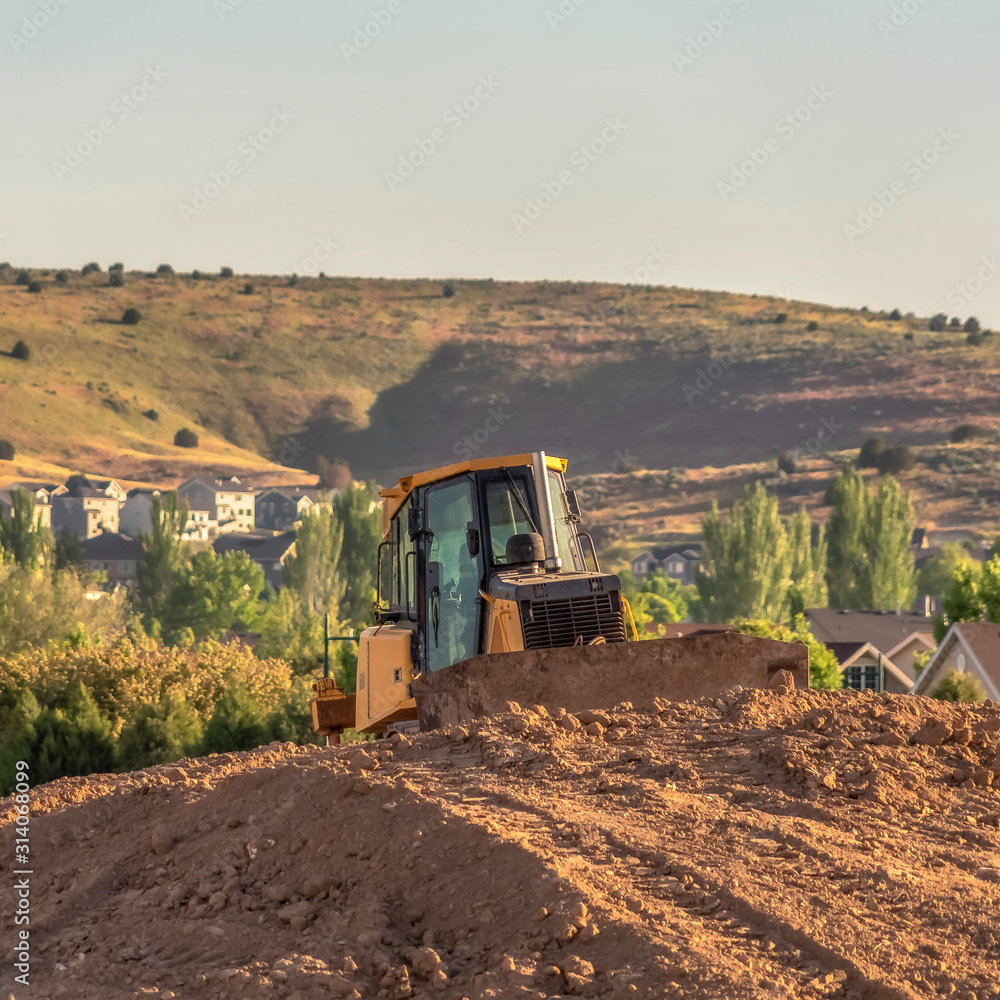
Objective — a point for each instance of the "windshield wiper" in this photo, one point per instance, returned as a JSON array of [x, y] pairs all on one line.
[[520, 500]]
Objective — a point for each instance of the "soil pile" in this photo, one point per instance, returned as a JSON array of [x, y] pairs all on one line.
[[761, 844]]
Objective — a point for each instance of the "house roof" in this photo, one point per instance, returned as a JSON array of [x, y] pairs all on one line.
[[691, 551], [111, 545], [295, 493], [980, 639], [848, 653], [884, 630], [260, 548], [144, 493]]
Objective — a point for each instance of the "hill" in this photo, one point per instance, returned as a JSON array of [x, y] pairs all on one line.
[[394, 375]]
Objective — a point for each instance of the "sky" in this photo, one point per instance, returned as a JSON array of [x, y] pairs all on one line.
[[836, 151]]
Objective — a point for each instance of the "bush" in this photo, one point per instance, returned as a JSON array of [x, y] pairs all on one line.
[[35, 287], [236, 724], [226, 272], [895, 314], [116, 279], [972, 325], [965, 432], [90, 268], [959, 687], [7, 451], [186, 438], [196, 275], [117, 267], [74, 741], [896, 458], [907, 336], [937, 323], [151, 415], [248, 288], [813, 326], [131, 316], [975, 338], [165, 269], [786, 463], [293, 281], [62, 277], [448, 291], [292, 721], [23, 278], [159, 733], [824, 670], [955, 322], [781, 318], [21, 351], [870, 452]]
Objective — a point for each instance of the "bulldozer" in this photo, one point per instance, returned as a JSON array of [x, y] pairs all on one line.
[[489, 590]]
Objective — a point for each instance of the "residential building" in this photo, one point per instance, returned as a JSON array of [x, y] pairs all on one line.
[[679, 562], [866, 668], [279, 508], [136, 515], [218, 506], [116, 554], [268, 551], [86, 508], [972, 648], [43, 506]]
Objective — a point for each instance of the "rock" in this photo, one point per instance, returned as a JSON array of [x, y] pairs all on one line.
[[277, 892], [932, 733], [588, 717], [594, 729], [512, 707], [162, 839], [297, 915], [783, 682], [578, 966], [988, 874], [570, 723], [428, 965], [318, 883], [217, 901]]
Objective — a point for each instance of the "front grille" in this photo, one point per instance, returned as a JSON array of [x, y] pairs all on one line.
[[562, 622]]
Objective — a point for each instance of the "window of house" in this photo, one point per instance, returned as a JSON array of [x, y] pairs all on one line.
[[864, 677]]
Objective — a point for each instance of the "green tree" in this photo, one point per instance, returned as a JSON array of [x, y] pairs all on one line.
[[236, 724], [159, 733], [164, 556], [292, 720], [676, 594], [973, 595], [361, 522], [58, 742], [958, 686], [891, 579], [808, 587], [291, 631], [747, 560], [936, 575], [22, 536], [847, 535], [313, 572], [824, 670], [68, 551], [870, 452]]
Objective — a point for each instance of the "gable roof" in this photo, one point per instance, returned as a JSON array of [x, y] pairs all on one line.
[[979, 640], [848, 653], [925, 639], [884, 630], [260, 548], [112, 546]]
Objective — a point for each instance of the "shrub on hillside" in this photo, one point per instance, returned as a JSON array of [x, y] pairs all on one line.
[[895, 314], [131, 316], [165, 269], [59, 742], [23, 278], [225, 272], [955, 322], [937, 323], [90, 268], [975, 339], [62, 277], [965, 432], [159, 733], [35, 287], [7, 451], [293, 281], [870, 452], [248, 288], [21, 351], [151, 415], [118, 266], [448, 291], [896, 458], [196, 275], [972, 325], [781, 318], [236, 724], [116, 279], [786, 463], [813, 326], [186, 438]]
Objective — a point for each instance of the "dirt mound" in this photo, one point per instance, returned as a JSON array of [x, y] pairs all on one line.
[[756, 845]]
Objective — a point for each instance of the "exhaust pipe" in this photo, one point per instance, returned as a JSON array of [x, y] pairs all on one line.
[[543, 496]]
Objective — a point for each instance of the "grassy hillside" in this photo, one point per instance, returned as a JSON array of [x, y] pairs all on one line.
[[392, 376]]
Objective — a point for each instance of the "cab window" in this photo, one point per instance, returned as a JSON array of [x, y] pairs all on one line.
[[507, 515]]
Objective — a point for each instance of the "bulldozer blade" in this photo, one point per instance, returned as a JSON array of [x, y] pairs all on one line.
[[593, 677]]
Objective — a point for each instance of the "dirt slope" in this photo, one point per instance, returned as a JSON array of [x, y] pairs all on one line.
[[765, 845]]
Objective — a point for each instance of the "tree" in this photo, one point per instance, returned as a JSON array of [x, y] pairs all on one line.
[[361, 526], [748, 560], [159, 733], [965, 432], [447, 291], [35, 287], [226, 272], [808, 574], [786, 463], [334, 474], [846, 533], [23, 278], [973, 595], [896, 458], [248, 288], [131, 316], [937, 323], [186, 438], [21, 351], [236, 724], [165, 269], [22, 539], [7, 451], [116, 279], [870, 452], [164, 555], [68, 551], [313, 572], [62, 277], [824, 671], [91, 268], [895, 315], [972, 325], [958, 686], [936, 575]]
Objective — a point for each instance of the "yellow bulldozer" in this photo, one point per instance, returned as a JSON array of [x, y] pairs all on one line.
[[489, 590]]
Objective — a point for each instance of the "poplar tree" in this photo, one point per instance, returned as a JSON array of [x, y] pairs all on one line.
[[847, 535], [891, 578], [22, 538], [808, 588]]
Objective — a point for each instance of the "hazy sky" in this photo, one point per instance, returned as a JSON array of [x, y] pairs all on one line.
[[279, 140]]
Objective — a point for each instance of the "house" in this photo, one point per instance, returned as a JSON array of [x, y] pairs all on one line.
[[85, 510], [219, 505], [268, 551], [679, 562], [280, 507], [116, 554], [899, 636], [43, 507], [969, 647], [136, 515], [867, 668]]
